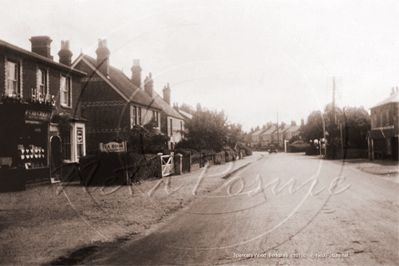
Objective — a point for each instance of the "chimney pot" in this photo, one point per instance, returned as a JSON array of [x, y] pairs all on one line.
[[166, 94], [65, 54], [136, 73], [41, 45], [148, 85], [103, 57]]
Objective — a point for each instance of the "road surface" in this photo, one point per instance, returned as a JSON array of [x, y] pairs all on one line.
[[325, 220]]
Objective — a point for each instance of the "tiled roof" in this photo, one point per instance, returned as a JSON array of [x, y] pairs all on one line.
[[40, 57], [282, 130], [394, 98], [293, 129], [165, 106], [270, 130], [258, 132], [185, 114], [125, 85]]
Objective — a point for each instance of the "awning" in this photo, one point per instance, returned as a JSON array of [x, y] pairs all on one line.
[[383, 133]]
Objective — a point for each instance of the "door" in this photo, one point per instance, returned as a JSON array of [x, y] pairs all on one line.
[[55, 157]]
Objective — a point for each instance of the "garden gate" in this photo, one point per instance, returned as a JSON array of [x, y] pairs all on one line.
[[167, 165]]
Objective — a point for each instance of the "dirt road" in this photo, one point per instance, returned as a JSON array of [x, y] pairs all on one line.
[[316, 219]]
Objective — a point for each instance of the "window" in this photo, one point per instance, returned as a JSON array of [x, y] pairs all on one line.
[[41, 82], [12, 83], [67, 146], [134, 115], [171, 127], [65, 91]]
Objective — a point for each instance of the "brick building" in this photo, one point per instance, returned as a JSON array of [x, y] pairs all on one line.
[[384, 133], [111, 102], [35, 89]]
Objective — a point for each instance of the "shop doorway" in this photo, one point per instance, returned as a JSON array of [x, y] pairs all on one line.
[[55, 157]]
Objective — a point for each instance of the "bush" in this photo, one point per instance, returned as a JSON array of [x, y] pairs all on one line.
[[298, 147], [145, 140]]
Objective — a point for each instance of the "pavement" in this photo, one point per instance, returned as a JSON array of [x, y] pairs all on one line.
[[237, 165], [376, 167]]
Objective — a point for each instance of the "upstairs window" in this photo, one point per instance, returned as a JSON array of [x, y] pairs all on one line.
[[171, 127], [41, 81], [12, 82], [65, 91]]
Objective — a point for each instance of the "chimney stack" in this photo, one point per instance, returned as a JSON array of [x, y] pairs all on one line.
[[41, 46], [65, 54], [103, 57], [166, 94], [148, 85], [393, 91], [176, 107], [136, 73], [397, 89]]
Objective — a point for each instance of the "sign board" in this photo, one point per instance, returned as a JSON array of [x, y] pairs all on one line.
[[37, 115], [79, 135], [113, 147]]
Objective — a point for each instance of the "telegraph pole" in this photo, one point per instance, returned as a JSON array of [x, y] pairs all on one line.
[[333, 107]]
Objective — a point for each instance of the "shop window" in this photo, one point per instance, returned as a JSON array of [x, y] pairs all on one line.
[[41, 81], [65, 91], [12, 82], [66, 151]]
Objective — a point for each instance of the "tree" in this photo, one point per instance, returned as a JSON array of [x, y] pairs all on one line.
[[209, 129], [313, 129], [357, 125], [355, 120], [235, 134]]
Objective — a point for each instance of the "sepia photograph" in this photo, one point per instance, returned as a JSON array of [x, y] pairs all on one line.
[[178, 132]]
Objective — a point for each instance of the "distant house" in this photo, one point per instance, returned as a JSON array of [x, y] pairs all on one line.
[[256, 137], [111, 102], [267, 137], [384, 133], [186, 116], [291, 132], [279, 135]]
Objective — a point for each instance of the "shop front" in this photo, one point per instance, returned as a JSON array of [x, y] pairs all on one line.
[[24, 141], [383, 143]]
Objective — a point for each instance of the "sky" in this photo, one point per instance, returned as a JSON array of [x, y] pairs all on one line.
[[256, 60]]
